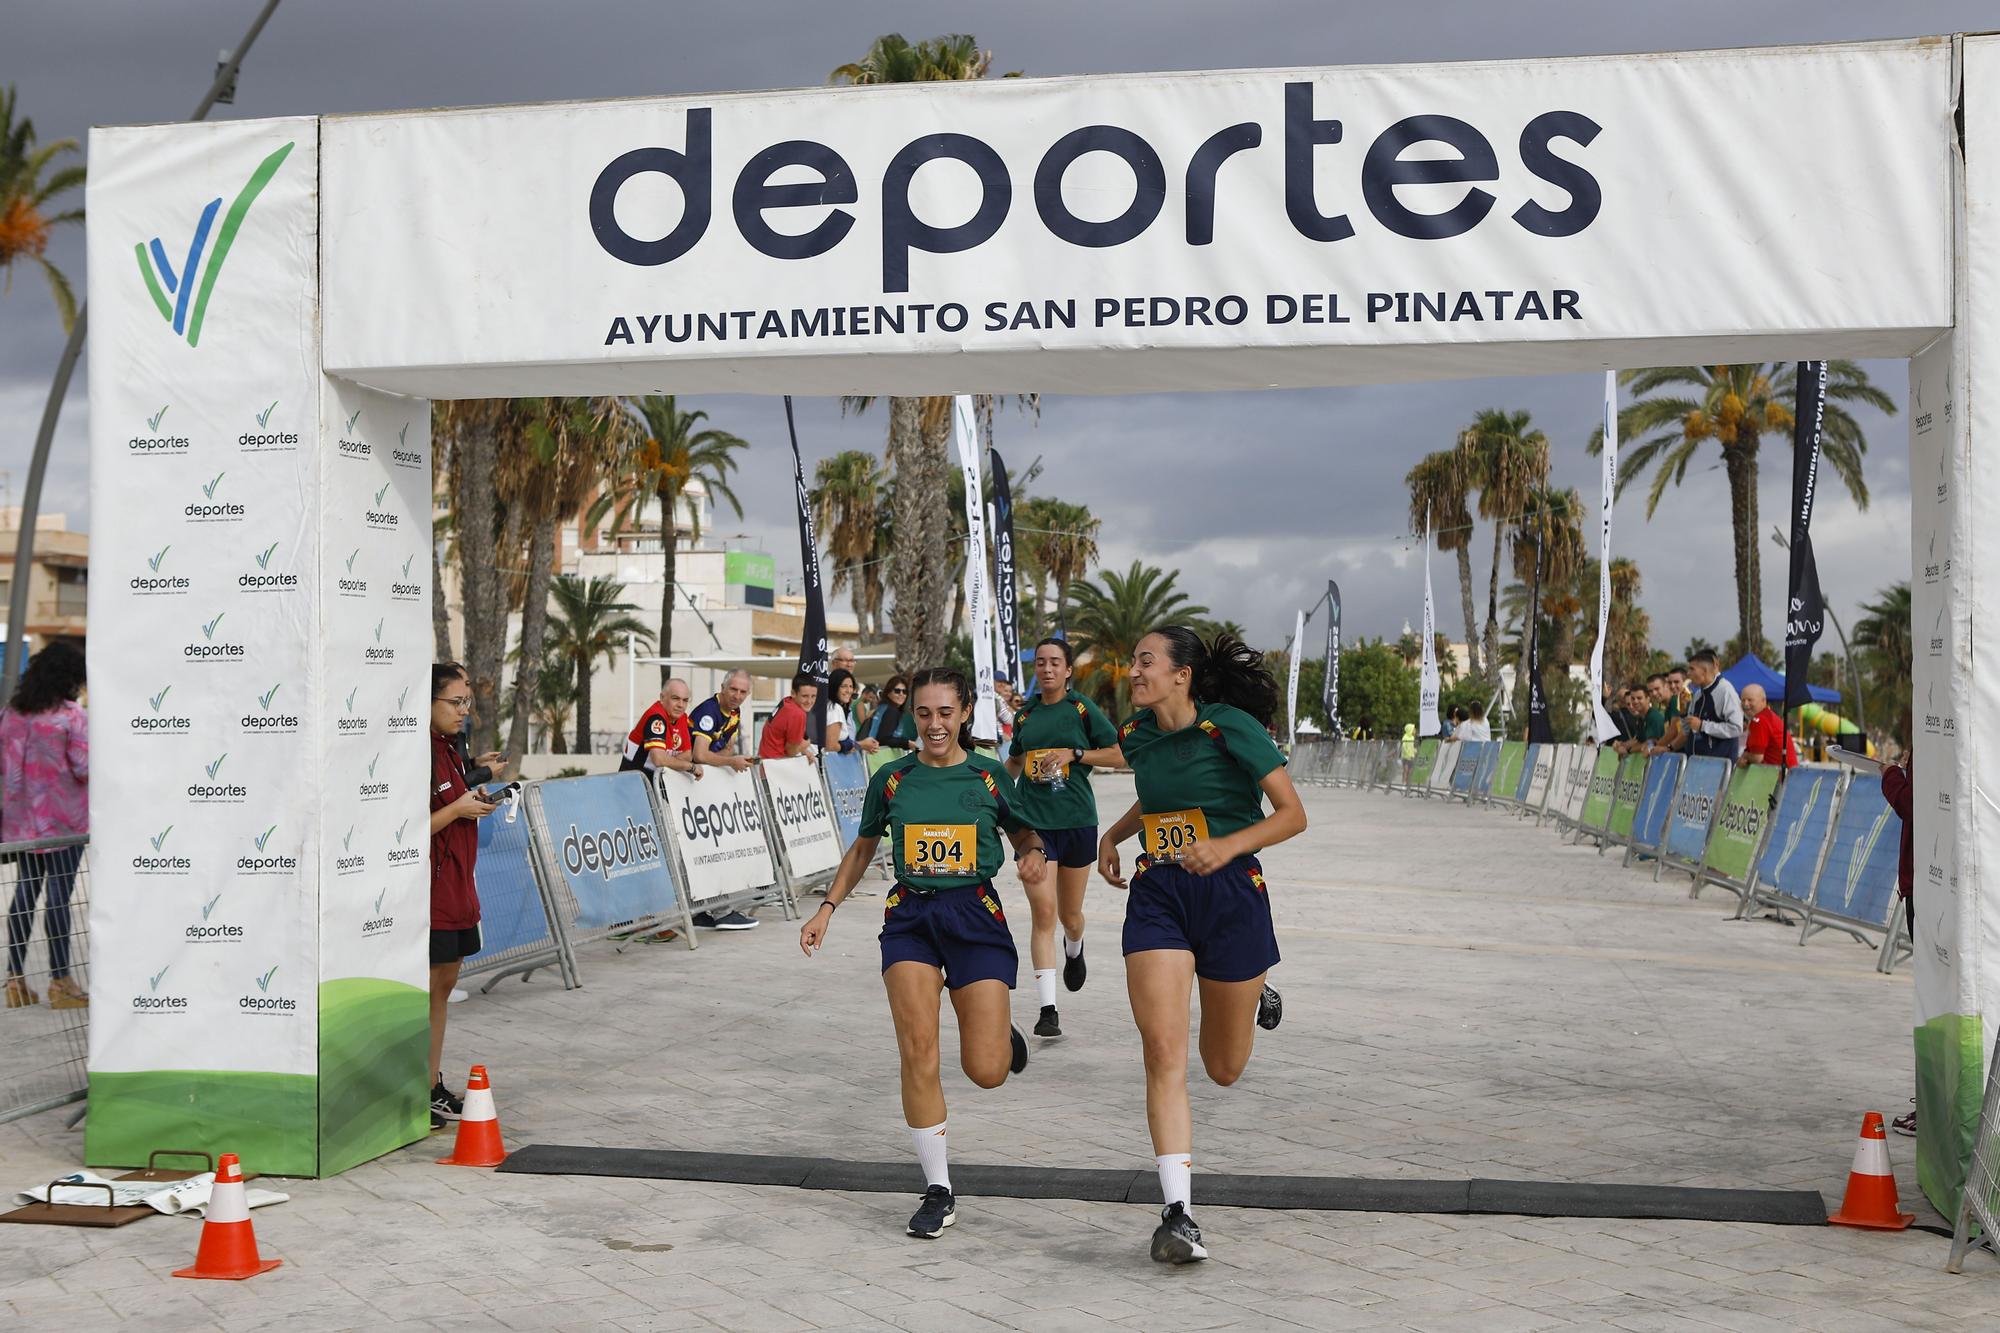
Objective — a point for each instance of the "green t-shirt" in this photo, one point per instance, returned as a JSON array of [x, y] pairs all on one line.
[[943, 824], [1655, 725], [1213, 766], [1070, 723]]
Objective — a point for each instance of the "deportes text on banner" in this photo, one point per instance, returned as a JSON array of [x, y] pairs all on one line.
[[847, 786], [718, 824], [603, 842], [978, 605], [1605, 729], [803, 815], [1805, 610]]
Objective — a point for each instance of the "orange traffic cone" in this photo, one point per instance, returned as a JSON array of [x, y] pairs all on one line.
[[478, 1141], [228, 1243], [1871, 1185]]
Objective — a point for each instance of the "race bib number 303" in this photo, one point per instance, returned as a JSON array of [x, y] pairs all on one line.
[[1171, 835], [941, 849]]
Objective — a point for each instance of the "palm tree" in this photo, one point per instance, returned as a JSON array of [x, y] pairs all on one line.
[[845, 499], [589, 624], [919, 428], [1505, 457], [1676, 409], [1438, 487], [1884, 633], [1553, 520], [670, 449], [1069, 547], [1112, 615], [467, 435], [25, 219], [552, 463]]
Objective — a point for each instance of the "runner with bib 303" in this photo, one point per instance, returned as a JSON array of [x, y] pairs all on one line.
[[944, 811], [1058, 737], [1197, 909]]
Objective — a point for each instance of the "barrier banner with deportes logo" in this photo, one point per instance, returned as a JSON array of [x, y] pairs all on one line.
[[1798, 831], [717, 825], [1858, 880], [1538, 773], [1630, 782], [1603, 784], [1745, 794], [1507, 770], [1489, 763], [598, 834], [802, 814], [846, 786], [1470, 755], [1649, 822], [1427, 757], [1444, 772], [1704, 778]]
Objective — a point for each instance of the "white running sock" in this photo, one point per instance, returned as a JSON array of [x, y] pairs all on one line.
[[1045, 985], [1072, 947], [1176, 1168], [931, 1155]]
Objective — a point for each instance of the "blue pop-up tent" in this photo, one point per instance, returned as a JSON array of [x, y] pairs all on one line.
[[1749, 670]]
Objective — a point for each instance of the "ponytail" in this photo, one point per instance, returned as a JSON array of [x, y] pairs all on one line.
[[960, 686], [1224, 670]]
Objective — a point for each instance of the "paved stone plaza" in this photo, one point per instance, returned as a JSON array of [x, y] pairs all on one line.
[[1464, 996]]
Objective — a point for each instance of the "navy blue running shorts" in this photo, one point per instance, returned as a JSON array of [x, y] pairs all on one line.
[[1071, 847], [1223, 919], [961, 931]]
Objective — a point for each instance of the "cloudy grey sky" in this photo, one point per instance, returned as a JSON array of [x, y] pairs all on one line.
[[1257, 527]]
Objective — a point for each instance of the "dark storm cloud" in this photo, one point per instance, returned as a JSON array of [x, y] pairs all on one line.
[[1255, 498]]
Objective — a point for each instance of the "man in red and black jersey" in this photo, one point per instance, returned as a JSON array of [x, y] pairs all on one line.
[[662, 739]]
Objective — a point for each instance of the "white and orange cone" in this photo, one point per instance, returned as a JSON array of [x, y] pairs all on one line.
[[228, 1242], [1871, 1186], [478, 1142]]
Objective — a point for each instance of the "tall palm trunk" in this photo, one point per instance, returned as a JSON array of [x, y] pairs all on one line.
[[1492, 664], [920, 568], [534, 619], [1472, 653], [582, 704], [1741, 463], [481, 587], [440, 614], [670, 540]]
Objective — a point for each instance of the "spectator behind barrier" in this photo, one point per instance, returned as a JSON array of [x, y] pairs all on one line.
[[1765, 740], [45, 793], [1715, 721], [717, 725], [889, 726], [840, 691], [456, 809], [1474, 727], [785, 734], [1898, 779], [825, 712], [662, 738]]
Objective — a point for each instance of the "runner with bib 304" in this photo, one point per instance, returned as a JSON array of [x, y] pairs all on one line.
[[1197, 909]]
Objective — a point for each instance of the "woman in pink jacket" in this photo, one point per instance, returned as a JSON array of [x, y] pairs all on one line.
[[44, 793]]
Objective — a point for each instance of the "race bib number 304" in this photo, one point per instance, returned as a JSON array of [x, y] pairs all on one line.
[[941, 849], [1171, 835]]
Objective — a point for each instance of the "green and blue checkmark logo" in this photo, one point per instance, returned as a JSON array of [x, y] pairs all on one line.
[[153, 421], [379, 494], [209, 906], [160, 698], [348, 429], [153, 982], [153, 561], [350, 697], [264, 982], [159, 839], [262, 838], [264, 699], [216, 766], [264, 556], [174, 291], [264, 417], [208, 629], [351, 559], [208, 487]]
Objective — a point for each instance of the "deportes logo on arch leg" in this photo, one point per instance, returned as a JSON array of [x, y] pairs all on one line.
[[174, 290]]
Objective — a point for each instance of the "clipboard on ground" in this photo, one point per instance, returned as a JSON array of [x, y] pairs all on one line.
[[107, 1214]]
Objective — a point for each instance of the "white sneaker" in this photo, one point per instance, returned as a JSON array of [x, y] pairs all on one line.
[[457, 996]]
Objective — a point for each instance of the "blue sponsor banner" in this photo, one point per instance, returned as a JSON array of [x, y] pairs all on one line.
[[1470, 755], [1489, 760], [1702, 781], [1805, 807], [510, 906], [1654, 799], [1535, 753], [605, 845], [1859, 880], [847, 783]]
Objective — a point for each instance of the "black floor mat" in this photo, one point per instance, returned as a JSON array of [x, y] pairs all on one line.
[[1531, 1198]]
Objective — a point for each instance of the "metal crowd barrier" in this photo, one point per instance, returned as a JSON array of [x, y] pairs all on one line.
[[42, 1048], [1979, 1201]]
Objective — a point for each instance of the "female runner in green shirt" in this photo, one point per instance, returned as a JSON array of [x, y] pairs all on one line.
[[1197, 907], [942, 927], [1058, 735]]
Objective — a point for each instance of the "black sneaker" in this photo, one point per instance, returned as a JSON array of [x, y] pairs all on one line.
[[444, 1105], [703, 921], [1270, 1009], [736, 921], [1020, 1060], [1074, 971], [1177, 1240], [438, 1122], [938, 1211], [1048, 1025]]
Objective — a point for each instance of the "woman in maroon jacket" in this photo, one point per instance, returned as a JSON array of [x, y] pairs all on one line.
[[456, 810], [1896, 783]]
